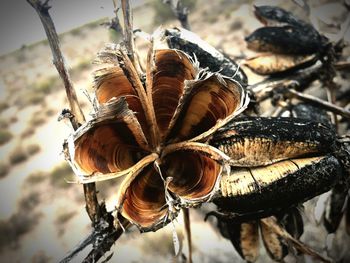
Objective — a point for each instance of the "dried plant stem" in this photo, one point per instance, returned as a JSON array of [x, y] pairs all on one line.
[[128, 30], [115, 23], [331, 99], [42, 8], [290, 93], [188, 237]]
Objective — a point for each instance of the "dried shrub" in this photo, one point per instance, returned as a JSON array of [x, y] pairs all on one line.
[[33, 149], [37, 119], [60, 174], [50, 112], [3, 106], [4, 123], [4, 169], [18, 155], [20, 223], [5, 136], [163, 12], [36, 178], [28, 132]]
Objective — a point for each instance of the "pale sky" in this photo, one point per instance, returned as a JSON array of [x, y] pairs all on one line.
[[19, 23]]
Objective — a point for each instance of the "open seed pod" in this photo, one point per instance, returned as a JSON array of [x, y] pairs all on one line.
[[283, 40], [269, 63], [284, 33], [154, 133]]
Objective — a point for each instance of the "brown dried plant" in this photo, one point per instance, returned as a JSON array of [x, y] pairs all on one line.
[[154, 133]]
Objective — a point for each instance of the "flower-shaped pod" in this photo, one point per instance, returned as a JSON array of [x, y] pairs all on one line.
[[154, 133]]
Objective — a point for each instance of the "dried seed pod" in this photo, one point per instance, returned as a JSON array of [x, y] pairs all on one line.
[[276, 247], [255, 141], [244, 237], [153, 134], [268, 63], [285, 33], [248, 190], [206, 55], [284, 40], [335, 207], [292, 221]]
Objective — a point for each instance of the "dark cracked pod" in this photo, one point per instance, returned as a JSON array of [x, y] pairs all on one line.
[[154, 133]]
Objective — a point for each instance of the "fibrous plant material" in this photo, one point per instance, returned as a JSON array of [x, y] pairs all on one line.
[[154, 135], [254, 191]]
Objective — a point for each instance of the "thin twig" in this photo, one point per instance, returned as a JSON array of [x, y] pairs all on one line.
[[102, 238], [128, 29], [180, 12], [290, 93], [107, 241], [342, 65], [42, 8], [115, 23], [188, 237]]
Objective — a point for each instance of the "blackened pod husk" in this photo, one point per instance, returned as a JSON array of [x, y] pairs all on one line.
[[277, 186], [285, 40], [255, 141], [272, 15], [243, 236], [206, 55]]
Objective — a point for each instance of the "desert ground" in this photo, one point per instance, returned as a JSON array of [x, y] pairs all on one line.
[[42, 215]]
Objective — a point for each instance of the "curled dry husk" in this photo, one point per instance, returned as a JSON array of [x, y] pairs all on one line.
[[269, 63], [154, 133]]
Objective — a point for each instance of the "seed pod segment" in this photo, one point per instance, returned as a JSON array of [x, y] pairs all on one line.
[[256, 141], [263, 189]]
